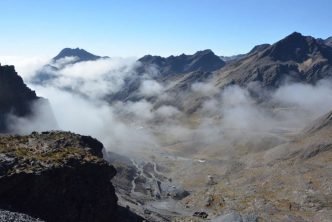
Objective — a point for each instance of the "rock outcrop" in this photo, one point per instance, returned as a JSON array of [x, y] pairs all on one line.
[[15, 97], [57, 176]]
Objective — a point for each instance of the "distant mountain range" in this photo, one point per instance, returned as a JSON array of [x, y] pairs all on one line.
[[69, 168], [296, 58], [205, 61]]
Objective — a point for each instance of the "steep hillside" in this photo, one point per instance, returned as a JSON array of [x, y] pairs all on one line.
[[295, 58]]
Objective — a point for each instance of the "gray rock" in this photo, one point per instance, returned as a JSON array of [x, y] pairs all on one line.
[[7, 216]]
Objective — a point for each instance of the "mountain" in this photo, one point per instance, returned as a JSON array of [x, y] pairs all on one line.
[[168, 69], [295, 58], [204, 60], [79, 54], [15, 97], [58, 176], [49, 71], [296, 47]]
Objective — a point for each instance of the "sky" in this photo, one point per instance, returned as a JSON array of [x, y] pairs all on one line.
[[133, 28]]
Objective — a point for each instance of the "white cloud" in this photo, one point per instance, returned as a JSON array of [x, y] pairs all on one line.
[[206, 89], [167, 111], [25, 66], [150, 88]]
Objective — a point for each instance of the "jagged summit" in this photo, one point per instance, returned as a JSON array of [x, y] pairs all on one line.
[[294, 47], [81, 54], [204, 52], [204, 60]]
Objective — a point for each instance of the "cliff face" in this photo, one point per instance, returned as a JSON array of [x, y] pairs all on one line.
[[15, 97], [56, 176]]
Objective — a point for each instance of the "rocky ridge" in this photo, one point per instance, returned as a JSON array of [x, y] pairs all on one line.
[[58, 176], [205, 61], [295, 58]]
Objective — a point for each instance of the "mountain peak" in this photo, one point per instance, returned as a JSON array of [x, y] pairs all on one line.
[[295, 35], [294, 47], [204, 52], [81, 54]]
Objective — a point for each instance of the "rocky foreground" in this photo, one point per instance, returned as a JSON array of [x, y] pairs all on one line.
[[57, 176]]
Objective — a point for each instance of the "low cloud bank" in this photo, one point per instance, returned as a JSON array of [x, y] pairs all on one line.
[[78, 96]]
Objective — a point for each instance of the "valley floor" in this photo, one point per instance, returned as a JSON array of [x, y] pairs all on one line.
[[280, 178]]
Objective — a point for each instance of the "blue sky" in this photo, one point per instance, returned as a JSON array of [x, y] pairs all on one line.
[[139, 27]]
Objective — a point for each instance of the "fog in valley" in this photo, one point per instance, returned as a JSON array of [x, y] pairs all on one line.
[[79, 99]]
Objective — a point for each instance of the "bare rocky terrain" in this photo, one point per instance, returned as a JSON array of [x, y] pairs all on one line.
[[289, 181], [58, 176], [200, 167]]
